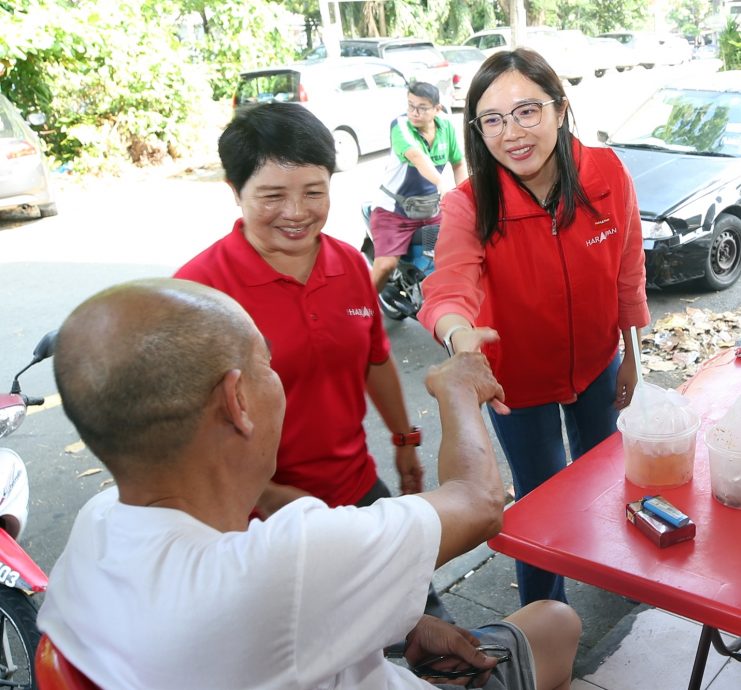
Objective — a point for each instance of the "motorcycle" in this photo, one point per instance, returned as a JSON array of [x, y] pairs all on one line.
[[402, 296], [20, 577]]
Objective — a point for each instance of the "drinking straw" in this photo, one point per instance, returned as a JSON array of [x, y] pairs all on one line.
[[636, 354], [639, 390]]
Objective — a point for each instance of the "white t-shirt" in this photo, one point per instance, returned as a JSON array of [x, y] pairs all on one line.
[[152, 599]]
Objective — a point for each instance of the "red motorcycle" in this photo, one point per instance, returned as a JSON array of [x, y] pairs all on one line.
[[20, 577]]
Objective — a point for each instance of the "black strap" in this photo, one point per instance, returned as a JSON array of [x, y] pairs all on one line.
[[396, 197]]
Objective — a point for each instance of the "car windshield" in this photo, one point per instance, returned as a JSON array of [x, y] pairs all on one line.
[[268, 86], [459, 55], [698, 122]]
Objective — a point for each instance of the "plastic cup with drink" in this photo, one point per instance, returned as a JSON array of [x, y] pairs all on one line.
[[723, 440], [659, 431]]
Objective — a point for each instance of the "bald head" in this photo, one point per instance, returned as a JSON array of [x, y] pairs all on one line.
[[136, 363]]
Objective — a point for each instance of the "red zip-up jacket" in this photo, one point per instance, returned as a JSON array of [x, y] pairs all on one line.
[[558, 297]]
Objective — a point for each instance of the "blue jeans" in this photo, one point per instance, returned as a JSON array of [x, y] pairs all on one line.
[[532, 441]]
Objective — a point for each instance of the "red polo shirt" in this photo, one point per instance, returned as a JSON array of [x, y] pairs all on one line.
[[323, 336]]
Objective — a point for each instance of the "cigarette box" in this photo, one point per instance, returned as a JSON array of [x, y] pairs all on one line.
[[659, 532]]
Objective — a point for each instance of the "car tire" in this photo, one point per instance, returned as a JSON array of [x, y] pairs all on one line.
[[600, 72], [723, 263], [647, 65], [621, 69], [575, 81], [347, 150], [47, 210]]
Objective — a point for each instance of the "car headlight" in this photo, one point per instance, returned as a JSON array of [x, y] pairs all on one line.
[[652, 230]]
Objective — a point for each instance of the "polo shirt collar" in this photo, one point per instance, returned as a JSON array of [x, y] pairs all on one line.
[[256, 271]]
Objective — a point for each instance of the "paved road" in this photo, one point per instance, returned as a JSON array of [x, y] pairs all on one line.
[[147, 224]]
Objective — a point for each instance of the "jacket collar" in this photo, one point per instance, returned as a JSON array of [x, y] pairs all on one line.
[[520, 203]]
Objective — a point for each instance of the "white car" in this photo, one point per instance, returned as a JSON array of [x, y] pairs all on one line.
[[465, 62], [356, 98], [609, 53], [673, 49], [650, 49], [565, 62]]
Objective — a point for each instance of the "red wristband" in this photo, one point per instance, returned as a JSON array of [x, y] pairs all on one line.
[[413, 438]]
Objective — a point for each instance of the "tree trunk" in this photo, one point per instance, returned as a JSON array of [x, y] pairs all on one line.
[[369, 20], [517, 21], [382, 18]]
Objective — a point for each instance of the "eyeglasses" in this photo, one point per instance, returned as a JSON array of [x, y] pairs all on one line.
[[419, 109], [426, 669], [526, 115]]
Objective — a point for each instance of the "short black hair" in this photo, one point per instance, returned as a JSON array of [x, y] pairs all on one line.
[[422, 89], [286, 133]]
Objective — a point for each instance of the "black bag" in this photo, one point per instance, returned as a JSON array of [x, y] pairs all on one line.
[[417, 207]]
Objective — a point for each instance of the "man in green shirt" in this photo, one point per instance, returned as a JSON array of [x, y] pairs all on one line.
[[423, 142]]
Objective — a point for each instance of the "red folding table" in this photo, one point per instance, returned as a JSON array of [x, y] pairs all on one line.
[[574, 524]]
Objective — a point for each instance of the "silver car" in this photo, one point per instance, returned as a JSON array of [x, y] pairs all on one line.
[[24, 176], [356, 98]]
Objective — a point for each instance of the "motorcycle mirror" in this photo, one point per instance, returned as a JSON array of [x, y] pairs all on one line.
[[43, 350], [45, 347]]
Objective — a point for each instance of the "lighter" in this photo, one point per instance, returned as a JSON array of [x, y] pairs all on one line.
[[666, 511]]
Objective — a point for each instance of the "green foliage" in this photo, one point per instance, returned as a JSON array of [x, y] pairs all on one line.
[[591, 16], [236, 37], [467, 17], [689, 15], [110, 82], [730, 45]]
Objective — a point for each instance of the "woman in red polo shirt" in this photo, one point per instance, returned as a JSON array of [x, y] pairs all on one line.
[[311, 297]]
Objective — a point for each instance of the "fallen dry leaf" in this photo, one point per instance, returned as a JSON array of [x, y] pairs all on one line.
[[681, 341], [75, 447], [87, 473]]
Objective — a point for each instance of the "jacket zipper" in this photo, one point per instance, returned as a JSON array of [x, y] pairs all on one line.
[[569, 306]]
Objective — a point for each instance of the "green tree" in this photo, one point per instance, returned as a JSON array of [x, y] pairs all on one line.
[[109, 76], [235, 36], [730, 44], [689, 15]]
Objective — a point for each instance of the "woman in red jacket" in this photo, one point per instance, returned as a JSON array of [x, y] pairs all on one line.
[[540, 265]]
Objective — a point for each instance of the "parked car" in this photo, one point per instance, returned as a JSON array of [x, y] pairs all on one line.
[[464, 62], [608, 53], [24, 175], [650, 49], [416, 58], [683, 150], [565, 62], [673, 49], [356, 98]]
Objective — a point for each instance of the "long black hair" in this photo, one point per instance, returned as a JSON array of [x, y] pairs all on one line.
[[483, 167]]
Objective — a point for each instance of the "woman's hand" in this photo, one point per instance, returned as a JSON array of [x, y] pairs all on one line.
[[472, 339], [626, 381]]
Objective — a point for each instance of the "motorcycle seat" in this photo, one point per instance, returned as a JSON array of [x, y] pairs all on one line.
[[54, 672]]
